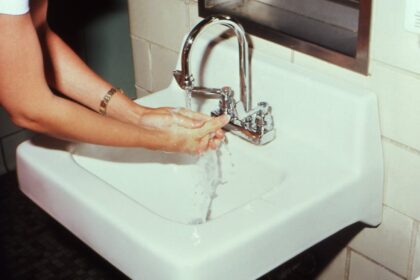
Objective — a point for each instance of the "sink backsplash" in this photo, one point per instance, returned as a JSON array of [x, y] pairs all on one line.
[[313, 94], [158, 28]]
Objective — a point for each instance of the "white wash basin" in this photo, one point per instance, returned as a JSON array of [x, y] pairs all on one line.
[[323, 172]]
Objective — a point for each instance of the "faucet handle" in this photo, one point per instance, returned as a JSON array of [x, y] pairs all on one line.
[[264, 119], [227, 103]]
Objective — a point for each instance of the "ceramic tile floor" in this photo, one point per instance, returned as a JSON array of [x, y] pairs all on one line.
[[34, 246]]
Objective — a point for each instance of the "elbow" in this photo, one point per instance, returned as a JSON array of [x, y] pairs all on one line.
[[27, 119]]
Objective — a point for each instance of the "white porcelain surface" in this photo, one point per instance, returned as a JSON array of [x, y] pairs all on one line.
[[179, 178], [322, 173]]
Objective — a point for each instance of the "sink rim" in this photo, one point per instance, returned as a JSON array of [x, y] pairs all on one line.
[[233, 224]]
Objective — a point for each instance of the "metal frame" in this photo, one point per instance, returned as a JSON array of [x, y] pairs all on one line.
[[358, 63]]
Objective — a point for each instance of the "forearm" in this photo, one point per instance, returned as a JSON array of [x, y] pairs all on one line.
[[25, 94], [67, 73], [67, 120]]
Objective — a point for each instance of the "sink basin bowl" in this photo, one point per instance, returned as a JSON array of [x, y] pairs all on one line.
[[149, 176], [135, 207]]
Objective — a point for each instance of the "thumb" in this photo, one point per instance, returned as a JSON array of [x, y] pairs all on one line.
[[213, 124]]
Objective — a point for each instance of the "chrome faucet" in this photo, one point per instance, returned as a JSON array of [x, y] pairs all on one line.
[[253, 124]]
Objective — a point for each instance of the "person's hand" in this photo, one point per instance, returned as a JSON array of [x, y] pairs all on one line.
[[187, 131]]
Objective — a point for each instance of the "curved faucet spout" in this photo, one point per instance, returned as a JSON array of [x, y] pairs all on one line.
[[184, 77]]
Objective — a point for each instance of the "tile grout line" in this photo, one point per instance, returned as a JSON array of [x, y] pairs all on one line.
[[378, 264], [399, 212], [401, 145], [347, 264], [12, 133], [150, 58], [412, 252], [187, 5], [133, 36], [397, 68], [292, 56], [138, 87]]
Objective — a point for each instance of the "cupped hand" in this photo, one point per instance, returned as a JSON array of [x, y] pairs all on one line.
[[187, 131]]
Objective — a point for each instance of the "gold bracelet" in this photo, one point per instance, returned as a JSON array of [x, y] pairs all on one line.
[[104, 102]]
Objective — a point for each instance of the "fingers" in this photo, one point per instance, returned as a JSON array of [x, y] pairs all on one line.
[[220, 134], [213, 134], [214, 144], [203, 144], [192, 114], [187, 122], [214, 125]]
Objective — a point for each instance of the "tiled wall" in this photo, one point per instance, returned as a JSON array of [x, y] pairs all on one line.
[[101, 39], [391, 251], [10, 137]]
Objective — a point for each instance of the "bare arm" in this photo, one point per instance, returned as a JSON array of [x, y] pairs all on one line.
[[67, 73], [25, 94]]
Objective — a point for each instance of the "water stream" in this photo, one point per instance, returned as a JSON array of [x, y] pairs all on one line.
[[188, 98], [210, 178]]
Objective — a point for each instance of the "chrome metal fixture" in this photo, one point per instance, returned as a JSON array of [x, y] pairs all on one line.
[[253, 124]]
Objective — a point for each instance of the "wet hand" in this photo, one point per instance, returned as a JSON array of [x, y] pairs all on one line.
[[188, 131]]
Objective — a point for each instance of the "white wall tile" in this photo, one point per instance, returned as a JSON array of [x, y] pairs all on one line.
[[163, 64], [142, 63], [363, 269], [10, 144], [416, 262], [399, 102], [336, 269], [389, 244], [164, 22], [402, 190], [193, 14], [390, 42]]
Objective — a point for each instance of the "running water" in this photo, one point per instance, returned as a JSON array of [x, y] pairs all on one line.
[[188, 98], [210, 178]]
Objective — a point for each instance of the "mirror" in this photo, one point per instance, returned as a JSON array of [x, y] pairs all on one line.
[[336, 31]]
